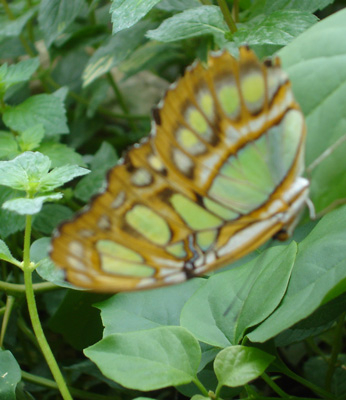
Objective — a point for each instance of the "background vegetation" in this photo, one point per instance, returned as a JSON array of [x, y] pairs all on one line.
[[78, 79]]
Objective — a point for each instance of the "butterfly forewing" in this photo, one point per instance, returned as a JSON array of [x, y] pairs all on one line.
[[217, 177]]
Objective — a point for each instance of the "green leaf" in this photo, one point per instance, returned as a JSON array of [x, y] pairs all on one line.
[[319, 267], [126, 13], [274, 29], [207, 20], [46, 269], [9, 222], [30, 172], [149, 359], [50, 216], [13, 28], [77, 306], [6, 255], [238, 365], [8, 145], [114, 51], [269, 6], [55, 16], [60, 175], [60, 154], [24, 206], [104, 159], [17, 73], [321, 320], [177, 5], [10, 375], [232, 301], [147, 309], [315, 62], [31, 138], [45, 109]]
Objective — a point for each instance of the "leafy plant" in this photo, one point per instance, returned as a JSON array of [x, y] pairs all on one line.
[[72, 75]]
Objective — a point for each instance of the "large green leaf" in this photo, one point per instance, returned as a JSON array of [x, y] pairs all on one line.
[[149, 359], [10, 375], [148, 309], [320, 267], [232, 301], [315, 62]]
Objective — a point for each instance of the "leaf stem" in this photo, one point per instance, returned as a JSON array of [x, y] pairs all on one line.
[[235, 10], [200, 386], [34, 317], [16, 289], [6, 318], [227, 15], [269, 381], [336, 349], [77, 393]]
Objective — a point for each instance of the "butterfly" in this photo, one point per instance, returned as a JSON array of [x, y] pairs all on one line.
[[219, 175]]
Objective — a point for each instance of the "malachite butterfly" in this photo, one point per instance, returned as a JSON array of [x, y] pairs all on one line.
[[218, 176]]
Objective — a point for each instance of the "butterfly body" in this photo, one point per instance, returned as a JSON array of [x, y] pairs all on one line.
[[218, 176]]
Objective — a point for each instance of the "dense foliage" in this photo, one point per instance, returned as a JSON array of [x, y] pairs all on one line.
[[78, 79]]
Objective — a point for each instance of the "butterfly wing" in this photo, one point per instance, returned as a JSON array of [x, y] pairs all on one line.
[[217, 177]]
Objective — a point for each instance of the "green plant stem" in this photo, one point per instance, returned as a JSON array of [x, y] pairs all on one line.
[[79, 394], [200, 386], [235, 10], [16, 289], [119, 97], [321, 392], [6, 318], [336, 349], [227, 15], [206, 2], [7, 9], [35, 320], [274, 386]]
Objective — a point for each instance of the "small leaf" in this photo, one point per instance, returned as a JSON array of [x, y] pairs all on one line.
[[25, 171], [238, 365], [60, 154], [269, 6], [56, 15], [45, 109], [17, 73], [13, 28], [6, 255], [198, 21], [30, 172], [274, 29], [148, 360], [46, 269], [31, 138], [126, 13], [8, 145], [104, 159], [60, 175], [24, 206], [114, 51], [10, 375]]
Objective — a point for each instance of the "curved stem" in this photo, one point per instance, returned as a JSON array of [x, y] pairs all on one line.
[[34, 317], [274, 386], [16, 289], [227, 15]]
